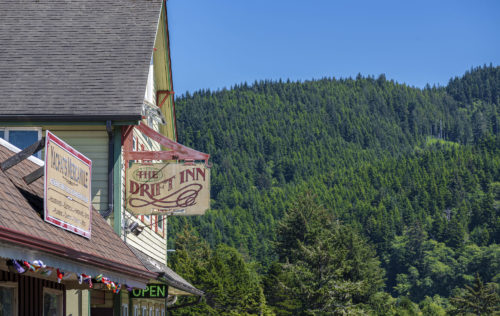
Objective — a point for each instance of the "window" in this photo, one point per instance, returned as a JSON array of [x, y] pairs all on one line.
[[157, 312], [8, 298], [22, 137], [125, 310], [136, 310], [159, 228], [144, 311], [52, 302], [161, 219], [151, 311]]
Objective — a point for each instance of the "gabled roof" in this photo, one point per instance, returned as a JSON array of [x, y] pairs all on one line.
[[21, 224], [81, 60]]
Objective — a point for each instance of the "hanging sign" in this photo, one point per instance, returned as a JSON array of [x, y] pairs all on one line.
[[67, 195], [151, 291], [168, 188]]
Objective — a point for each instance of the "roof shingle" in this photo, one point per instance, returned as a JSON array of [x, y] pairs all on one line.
[[65, 58]]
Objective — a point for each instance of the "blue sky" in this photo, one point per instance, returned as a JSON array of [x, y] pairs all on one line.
[[219, 43]]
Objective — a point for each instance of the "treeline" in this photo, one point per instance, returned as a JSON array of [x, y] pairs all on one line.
[[415, 172]]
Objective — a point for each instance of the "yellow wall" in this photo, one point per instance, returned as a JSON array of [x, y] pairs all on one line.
[[77, 302], [162, 77]]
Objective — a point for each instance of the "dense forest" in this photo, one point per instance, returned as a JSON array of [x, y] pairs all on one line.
[[345, 196]]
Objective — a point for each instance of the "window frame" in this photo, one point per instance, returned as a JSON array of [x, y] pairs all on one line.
[[125, 309], [15, 286]]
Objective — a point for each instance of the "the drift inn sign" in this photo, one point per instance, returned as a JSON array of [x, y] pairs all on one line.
[[176, 188]]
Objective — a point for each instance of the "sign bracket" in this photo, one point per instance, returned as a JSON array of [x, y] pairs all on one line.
[[23, 154], [177, 151]]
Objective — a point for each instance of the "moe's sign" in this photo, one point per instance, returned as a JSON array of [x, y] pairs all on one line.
[[151, 291], [168, 187], [67, 192]]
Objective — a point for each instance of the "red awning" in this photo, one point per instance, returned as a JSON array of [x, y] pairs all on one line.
[[177, 151]]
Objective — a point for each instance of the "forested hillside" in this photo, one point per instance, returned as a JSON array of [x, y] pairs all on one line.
[[412, 175]]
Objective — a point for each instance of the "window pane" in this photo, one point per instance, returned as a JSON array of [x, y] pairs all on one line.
[[51, 304], [23, 139], [2, 134], [6, 301]]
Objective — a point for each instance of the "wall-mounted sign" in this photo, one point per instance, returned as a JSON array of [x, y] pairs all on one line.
[[67, 194], [175, 188], [151, 291]]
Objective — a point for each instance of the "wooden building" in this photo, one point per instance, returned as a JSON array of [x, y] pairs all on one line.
[[89, 71], [26, 238]]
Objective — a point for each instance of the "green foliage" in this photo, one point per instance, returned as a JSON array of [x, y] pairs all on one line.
[[414, 171], [478, 299], [230, 284], [324, 268]]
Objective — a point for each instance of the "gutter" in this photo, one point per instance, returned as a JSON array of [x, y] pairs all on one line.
[[48, 246], [111, 156], [186, 304], [164, 277]]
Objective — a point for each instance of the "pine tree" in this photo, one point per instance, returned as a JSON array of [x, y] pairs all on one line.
[[478, 299], [325, 267]]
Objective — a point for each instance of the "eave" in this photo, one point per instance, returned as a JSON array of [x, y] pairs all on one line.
[[71, 118], [41, 244]]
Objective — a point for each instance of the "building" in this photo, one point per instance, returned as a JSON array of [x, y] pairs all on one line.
[[90, 71], [25, 236]]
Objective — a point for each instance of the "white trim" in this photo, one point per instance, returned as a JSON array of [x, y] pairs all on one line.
[[13, 148], [13, 285]]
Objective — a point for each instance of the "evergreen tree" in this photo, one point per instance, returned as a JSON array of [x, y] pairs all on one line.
[[478, 299], [329, 270]]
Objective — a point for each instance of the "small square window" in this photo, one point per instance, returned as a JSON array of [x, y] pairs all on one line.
[[22, 137]]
